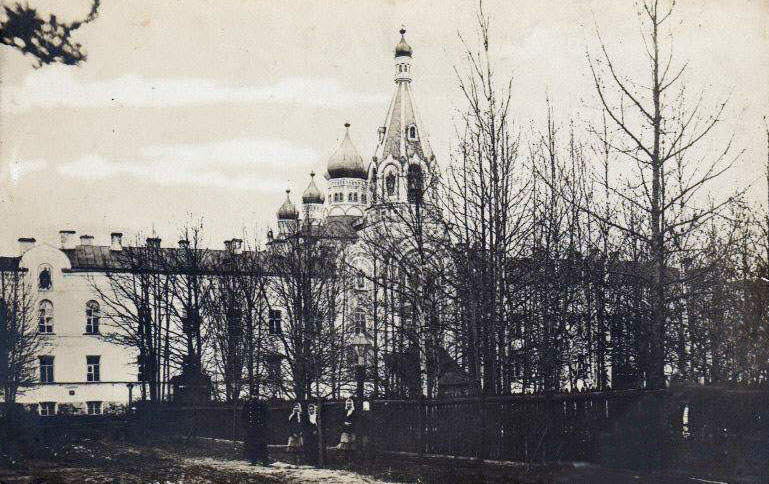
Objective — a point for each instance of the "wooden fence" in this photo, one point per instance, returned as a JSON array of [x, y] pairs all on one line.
[[720, 430]]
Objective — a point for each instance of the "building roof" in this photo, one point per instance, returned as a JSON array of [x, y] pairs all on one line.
[[403, 48], [288, 210], [9, 263], [312, 193], [346, 162]]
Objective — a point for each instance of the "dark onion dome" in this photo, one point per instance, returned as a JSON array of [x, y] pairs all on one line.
[[312, 194], [288, 210], [346, 162], [403, 48]]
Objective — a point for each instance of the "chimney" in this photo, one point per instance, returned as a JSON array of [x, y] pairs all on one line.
[[228, 245], [153, 241], [86, 240], [67, 239], [237, 246], [26, 243], [117, 241], [184, 244]]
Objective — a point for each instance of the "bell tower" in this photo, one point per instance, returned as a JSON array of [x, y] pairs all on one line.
[[401, 165]]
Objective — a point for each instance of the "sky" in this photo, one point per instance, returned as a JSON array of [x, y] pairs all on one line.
[[209, 110]]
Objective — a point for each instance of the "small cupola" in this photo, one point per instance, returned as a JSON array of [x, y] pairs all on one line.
[[403, 48], [312, 194], [288, 210], [346, 162]]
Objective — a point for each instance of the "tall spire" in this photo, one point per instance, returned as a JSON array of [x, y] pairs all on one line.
[[403, 136]]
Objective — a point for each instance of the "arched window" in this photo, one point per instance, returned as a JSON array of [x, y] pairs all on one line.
[[411, 132], [390, 184], [92, 316], [45, 317], [415, 184], [45, 278], [360, 280]]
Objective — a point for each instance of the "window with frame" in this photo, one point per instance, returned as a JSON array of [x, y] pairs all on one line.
[[47, 409], [274, 321], [415, 184], [45, 278], [411, 132], [363, 198], [350, 197], [359, 318], [92, 315], [46, 369], [45, 317], [93, 368], [93, 408]]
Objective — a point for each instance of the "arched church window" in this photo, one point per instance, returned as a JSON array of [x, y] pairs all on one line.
[[415, 184], [411, 132], [45, 278], [45, 317], [390, 184], [92, 316]]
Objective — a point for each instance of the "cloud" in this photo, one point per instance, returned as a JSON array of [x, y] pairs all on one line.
[[229, 164], [56, 86], [16, 169]]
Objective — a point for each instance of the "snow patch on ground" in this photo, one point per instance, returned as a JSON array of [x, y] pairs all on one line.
[[290, 473]]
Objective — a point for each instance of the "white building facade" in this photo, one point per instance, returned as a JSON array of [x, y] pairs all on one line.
[[82, 372]]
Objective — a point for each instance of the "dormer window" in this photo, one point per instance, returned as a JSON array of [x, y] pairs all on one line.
[[45, 278], [411, 132]]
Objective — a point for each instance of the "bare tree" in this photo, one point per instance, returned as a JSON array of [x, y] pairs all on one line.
[[137, 306], [654, 128], [484, 201], [20, 343], [304, 276]]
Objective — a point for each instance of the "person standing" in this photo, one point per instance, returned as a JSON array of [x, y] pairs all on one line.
[[295, 443], [347, 440], [255, 445], [310, 435]]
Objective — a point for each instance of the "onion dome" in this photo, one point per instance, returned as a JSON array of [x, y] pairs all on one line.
[[312, 194], [288, 210], [403, 48], [346, 162]]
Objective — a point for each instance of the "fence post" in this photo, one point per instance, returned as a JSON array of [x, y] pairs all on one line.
[[482, 450], [422, 409]]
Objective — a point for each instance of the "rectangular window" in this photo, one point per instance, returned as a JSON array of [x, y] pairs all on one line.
[[349, 197], [94, 408], [363, 198], [46, 369], [93, 364], [47, 409], [275, 321]]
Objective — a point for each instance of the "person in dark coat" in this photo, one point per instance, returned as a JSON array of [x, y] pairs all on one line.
[[347, 440], [255, 445], [310, 434], [295, 442]]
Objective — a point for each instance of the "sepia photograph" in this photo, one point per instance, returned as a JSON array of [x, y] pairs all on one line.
[[384, 241]]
